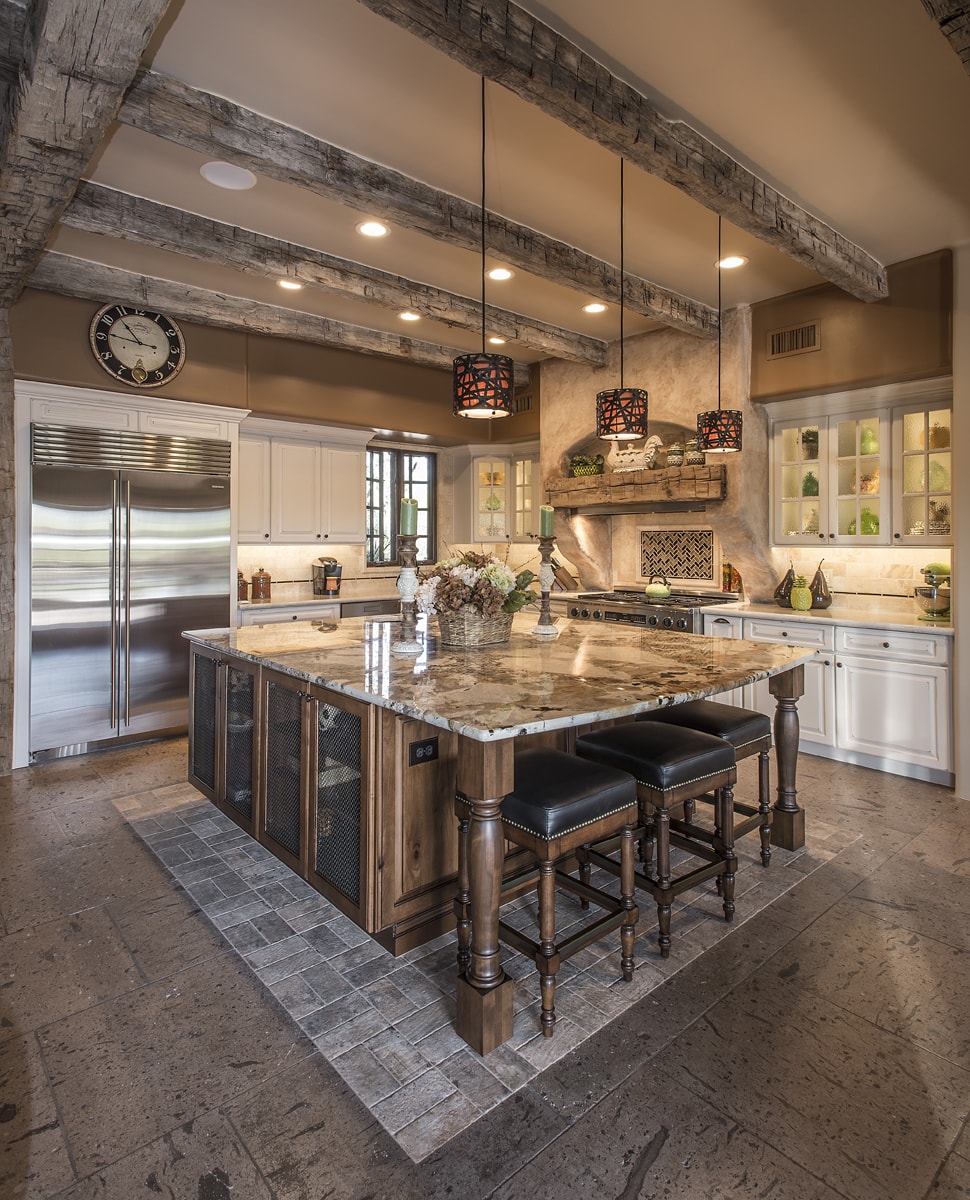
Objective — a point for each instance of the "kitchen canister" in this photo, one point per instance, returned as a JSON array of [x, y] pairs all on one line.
[[694, 457], [261, 585], [675, 455]]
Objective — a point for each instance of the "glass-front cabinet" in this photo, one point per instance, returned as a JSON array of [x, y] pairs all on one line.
[[923, 470], [866, 476], [502, 500], [491, 495]]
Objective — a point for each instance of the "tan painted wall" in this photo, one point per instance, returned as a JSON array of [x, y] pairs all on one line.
[[908, 336], [272, 376]]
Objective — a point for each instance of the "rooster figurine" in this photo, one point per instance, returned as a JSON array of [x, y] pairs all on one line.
[[624, 457]]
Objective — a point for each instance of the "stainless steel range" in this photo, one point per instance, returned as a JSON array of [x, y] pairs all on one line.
[[629, 606]]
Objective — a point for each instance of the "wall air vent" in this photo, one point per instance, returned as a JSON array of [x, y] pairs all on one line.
[[796, 339], [522, 402]]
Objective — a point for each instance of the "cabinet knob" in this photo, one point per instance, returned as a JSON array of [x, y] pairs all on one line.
[[265, 535], [821, 537], [897, 536], [839, 665], [784, 633], [885, 645], [831, 535], [319, 535]]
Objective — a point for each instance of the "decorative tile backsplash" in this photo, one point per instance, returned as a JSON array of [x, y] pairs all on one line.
[[687, 555]]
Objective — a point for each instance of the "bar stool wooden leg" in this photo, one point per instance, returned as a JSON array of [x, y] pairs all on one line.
[[661, 821], [627, 887], [725, 797], [764, 805], [547, 956]]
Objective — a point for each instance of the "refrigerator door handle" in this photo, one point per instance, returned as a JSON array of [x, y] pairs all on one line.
[[127, 600], [113, 599]]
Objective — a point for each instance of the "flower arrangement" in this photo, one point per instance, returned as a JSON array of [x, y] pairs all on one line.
[[474, 583]]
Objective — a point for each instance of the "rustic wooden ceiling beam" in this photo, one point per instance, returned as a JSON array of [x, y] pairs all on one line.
[[12, 21], [70, 276], [102, 210], [214, 126], [81, 56], [501, 41], [953, 18]]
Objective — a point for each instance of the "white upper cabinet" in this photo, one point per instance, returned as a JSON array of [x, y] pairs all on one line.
[[862, 469]]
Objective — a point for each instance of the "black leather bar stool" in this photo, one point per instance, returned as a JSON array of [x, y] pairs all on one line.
[[749, 732], [671, 766], [558, 804]]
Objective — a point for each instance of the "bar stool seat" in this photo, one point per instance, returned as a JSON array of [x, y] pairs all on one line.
[[558, 804], [671, 766], [749, 732]]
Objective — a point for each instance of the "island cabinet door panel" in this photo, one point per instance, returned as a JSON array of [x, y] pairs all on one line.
[[340, 801], [222, 759], [418, 827], [283, 769]]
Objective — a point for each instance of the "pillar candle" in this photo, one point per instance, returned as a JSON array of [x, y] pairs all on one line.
[[546, 515], [409, 516]]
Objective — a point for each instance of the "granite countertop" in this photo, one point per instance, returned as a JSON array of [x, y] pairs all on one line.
[[868, 618], [526, 685]]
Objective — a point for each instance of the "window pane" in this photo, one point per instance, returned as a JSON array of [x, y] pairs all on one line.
[[391, 476]]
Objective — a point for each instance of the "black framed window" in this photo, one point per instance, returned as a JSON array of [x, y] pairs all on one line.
[[391, 476]]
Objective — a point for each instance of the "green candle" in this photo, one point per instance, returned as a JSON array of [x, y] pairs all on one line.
[[546, 515], [409, 516]]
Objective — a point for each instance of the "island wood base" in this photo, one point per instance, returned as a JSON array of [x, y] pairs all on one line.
[[788, 820], [484, 1018]]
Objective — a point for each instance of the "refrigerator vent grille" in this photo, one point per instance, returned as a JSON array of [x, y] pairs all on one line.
[[125, 450]]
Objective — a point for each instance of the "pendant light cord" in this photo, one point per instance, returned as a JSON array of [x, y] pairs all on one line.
[[622, 289], [719, 270], [483, 214]]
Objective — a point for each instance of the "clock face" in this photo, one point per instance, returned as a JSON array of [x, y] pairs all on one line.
[[137, 346]]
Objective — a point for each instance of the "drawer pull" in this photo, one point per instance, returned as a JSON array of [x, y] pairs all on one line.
[[784, 633], [885, 645]]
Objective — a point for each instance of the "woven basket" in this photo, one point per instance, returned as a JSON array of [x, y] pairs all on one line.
[[586, 469], [472, 629]]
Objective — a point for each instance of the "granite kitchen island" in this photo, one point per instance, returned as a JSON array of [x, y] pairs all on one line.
[[342, 756]]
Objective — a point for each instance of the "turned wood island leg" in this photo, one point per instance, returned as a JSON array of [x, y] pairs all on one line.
[[484, 991], [788, 820]]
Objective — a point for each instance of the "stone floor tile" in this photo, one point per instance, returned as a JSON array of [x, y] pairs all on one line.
[[64, 966], [415, 1098], [913, 894], [200, 1038], [432, 1129], [945, 844], [662, 1141], [806, 1073], [34, 1157], [203, 1158]]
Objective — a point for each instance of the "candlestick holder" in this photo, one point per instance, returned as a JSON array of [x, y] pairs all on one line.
[[545, 626], [407, 586]]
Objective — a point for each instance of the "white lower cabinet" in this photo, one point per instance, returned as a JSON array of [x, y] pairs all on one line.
[[873, 696], [260, 614]]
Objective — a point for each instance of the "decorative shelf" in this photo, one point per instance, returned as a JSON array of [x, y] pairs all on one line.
[[620, 491]]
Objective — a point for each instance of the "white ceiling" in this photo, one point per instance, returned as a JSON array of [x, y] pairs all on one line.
[[859, 110]]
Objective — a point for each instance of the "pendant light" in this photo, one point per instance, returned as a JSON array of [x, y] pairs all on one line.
[[621, 413], [719, 430], [483, 383]]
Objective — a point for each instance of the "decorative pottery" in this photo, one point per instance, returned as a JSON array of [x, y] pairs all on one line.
[[694, 457], [783, 590], [675, 455], [821, 596], [800, 597]]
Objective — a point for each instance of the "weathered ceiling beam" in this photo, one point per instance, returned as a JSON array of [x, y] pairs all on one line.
[[501, 41], [12, 22], [83, 55], [212, 125], [102, 210], [953, 18], [69, 276]]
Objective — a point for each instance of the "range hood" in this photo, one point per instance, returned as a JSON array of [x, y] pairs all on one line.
[[671, 489]]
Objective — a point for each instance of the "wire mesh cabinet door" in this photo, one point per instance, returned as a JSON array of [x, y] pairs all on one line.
[[281, 823], [340, 801]]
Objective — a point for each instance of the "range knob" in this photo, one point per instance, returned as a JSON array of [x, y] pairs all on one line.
[[681, 622], [574, 611], [584, 612], [668, 622], [597, 615], [653, 620]]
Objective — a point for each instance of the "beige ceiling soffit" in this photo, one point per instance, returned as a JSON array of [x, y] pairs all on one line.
[[498, 39], [209, 124], [102, 210], [69, 276], [954, 22], [81, 58]]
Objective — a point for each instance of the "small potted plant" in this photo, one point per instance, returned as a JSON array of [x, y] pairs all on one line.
[[586, 464]]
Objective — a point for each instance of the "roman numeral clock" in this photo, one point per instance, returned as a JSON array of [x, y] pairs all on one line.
[[137, 346]]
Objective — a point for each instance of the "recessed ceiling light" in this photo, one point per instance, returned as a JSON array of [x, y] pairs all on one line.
[[497, 341], [290, 284], [227, 175], [410, 316], [500, 273], [730, 261], [374, 229], [595, 307]]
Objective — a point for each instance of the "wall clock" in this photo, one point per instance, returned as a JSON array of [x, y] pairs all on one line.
[[137, 346]]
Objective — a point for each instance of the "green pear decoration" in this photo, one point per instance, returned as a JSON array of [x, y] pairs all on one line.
[[821, 596], [783, 590], [801, 595]]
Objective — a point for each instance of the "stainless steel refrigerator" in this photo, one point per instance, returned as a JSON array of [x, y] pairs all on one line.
[[129, 546]]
